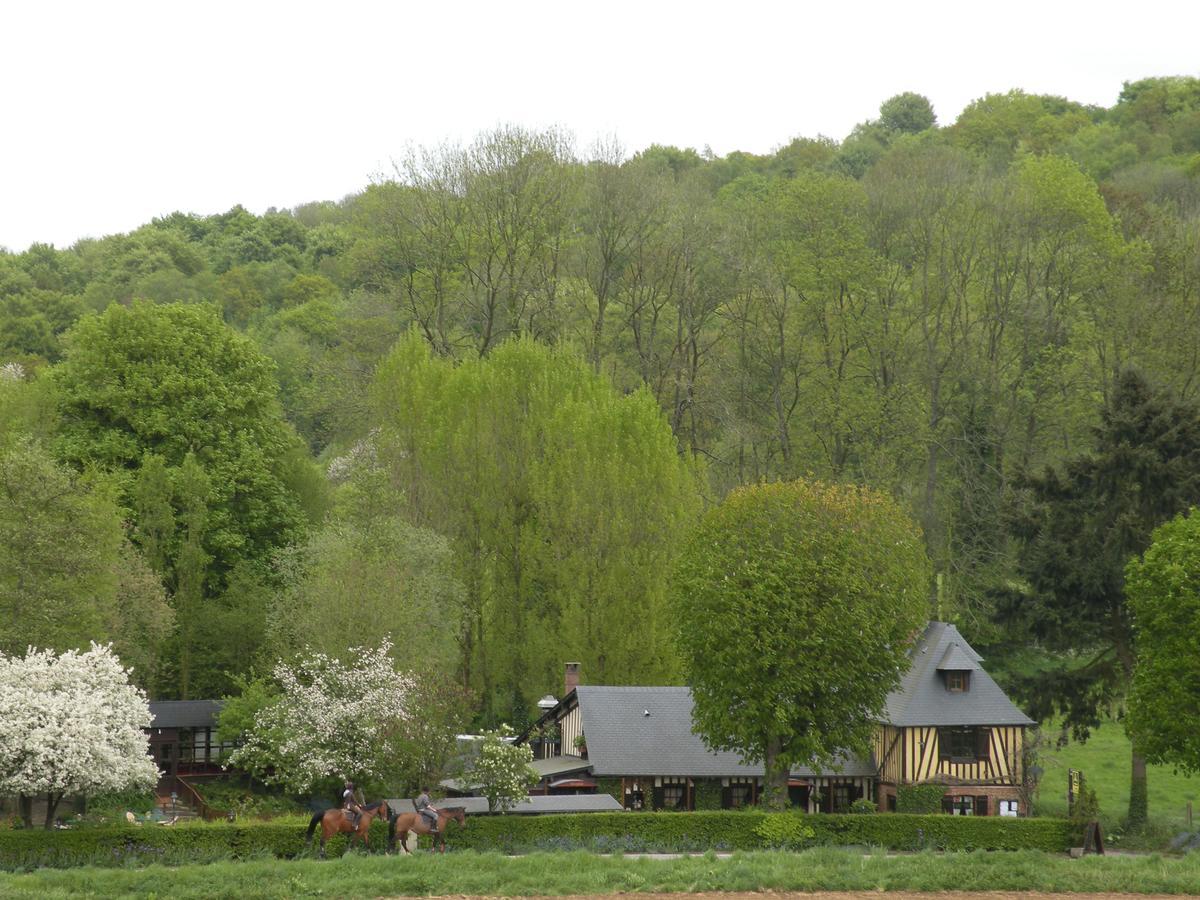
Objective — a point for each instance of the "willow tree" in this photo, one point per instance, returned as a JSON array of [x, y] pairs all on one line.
[[794, 606], [564, 502]]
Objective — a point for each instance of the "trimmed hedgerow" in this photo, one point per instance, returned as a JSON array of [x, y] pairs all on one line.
[[741, 830], [604, 832], [130, 845]]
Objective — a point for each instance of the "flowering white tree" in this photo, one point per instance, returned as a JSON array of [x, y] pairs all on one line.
[[71, 723], [502, 770], [330, 719]]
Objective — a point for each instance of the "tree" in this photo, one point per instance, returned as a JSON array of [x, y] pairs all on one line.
[[71, 724], [329, 720], [173, 381], [369, 581], [794, 606], [1077, 530], [502, 771], [1163, 590], [563, 500], [907, 113]]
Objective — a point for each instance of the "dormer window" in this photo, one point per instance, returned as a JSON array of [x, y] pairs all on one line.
[[956, 667], [958, 682]]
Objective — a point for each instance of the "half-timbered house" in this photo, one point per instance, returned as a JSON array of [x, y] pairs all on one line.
[[948, 724]]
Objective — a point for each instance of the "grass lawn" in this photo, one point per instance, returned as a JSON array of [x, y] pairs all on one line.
[[1104, 761], [582, 873]]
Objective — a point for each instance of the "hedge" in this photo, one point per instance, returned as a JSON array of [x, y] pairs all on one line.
[[698, 831], [126, 845], [604, 832]]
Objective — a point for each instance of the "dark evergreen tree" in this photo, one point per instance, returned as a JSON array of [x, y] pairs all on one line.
[[1077, 529]]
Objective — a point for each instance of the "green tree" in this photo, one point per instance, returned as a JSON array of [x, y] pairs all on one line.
[[794, 606], [907, 113], [564, 502], [1077, 529], [502, 771], [1163, 588], [359, 583], [174, 381], [67, 574]]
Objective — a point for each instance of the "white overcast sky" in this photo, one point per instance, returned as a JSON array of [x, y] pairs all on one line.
[[116, 112]]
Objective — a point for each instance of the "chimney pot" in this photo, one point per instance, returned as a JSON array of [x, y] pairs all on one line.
[[571, 678]]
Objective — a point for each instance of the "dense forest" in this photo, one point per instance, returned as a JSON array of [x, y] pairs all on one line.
[[476, 406]]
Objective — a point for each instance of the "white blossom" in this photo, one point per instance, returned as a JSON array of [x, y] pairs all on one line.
[[330, 719], [12, 371], [72, 724], [502, 770]]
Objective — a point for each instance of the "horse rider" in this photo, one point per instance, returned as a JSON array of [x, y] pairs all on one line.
[[352, 803], [427, 810]]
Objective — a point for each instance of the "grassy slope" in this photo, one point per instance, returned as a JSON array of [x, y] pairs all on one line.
[[1104, 761], [581, 873]]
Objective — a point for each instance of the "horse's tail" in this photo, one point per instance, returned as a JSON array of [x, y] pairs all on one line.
[[312, 826], [392, 817]]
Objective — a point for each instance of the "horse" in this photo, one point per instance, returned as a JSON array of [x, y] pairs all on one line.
[[335, 821], [414, 821]]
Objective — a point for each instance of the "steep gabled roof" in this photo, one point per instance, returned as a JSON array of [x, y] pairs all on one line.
[[648, 731], [922, 698]]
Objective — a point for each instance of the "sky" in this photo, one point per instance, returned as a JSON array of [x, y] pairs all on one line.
[[114, 113]]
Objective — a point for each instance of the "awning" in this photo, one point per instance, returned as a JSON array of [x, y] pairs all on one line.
[[577, 783], [798, 782]]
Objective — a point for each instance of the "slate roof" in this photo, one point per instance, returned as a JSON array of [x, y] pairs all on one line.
[[955, 660], [184, 713], [922, 698], [559, 765], [554, 803], [623, 740]]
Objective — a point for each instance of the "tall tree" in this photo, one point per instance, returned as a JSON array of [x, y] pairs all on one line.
[[1163, 587], [794, 606], [1077, 529], [564, 502]]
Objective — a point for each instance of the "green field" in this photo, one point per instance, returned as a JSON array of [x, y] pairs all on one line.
[[582, 873], [1104, 760]]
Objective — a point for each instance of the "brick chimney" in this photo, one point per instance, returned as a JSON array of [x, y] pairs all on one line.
[[571, 679]]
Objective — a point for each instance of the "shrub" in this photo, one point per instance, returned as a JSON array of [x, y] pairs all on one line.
[[598, 832], [920, 799], [784, 831], [864, 806]]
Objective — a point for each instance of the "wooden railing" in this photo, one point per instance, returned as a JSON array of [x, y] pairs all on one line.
[[190, 796]]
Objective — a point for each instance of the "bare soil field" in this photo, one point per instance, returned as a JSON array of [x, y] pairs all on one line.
[[856, 895]]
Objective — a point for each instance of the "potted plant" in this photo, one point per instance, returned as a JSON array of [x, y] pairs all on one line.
[[581, 745]]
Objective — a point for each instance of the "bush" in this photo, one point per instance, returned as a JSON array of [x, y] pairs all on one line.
[[920, 799], [738, 830], [864, 806], [176, 845], [597, 832]]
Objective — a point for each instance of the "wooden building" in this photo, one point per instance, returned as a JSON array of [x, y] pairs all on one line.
[[183, 737], [948, 724]]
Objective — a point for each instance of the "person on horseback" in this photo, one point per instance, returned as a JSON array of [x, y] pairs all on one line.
[[352, 803], [427, 810]]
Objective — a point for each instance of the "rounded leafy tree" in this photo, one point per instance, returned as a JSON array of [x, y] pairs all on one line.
[[795, 604]]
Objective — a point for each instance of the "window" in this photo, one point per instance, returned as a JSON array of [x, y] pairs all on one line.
[[635, 798], [673, 796], [959, 805], [963, 745], [737, 793], [842, 797], [1008, 807], [958, 682]]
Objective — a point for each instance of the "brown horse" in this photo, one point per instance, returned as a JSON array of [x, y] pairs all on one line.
[[414, 821], [335, 821]]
